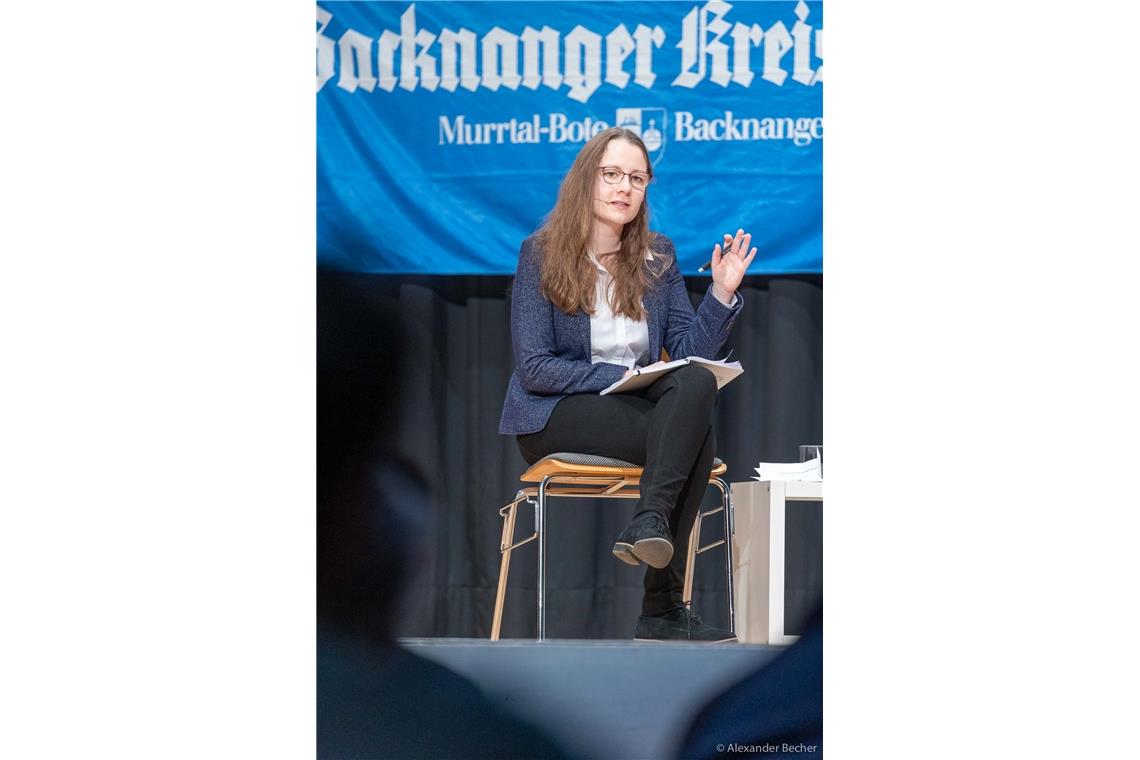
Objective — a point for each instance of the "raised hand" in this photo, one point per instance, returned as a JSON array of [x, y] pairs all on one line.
[[730, 262]]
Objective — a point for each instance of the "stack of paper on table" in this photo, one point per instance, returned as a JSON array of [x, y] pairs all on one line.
[[809, 470]]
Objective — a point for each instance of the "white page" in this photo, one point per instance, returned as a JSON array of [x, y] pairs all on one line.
[[646, 376]]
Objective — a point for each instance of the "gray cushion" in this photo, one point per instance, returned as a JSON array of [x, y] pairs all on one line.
[[593, 460]]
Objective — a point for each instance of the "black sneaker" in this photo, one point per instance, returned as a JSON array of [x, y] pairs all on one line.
[[647, 540], [678, 625]]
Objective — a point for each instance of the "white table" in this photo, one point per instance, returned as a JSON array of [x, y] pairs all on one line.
[[758, 555]]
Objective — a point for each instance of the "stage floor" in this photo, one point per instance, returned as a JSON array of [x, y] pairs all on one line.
[[601, 698]]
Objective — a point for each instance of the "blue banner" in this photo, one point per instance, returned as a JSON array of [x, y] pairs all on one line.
[[444, 129]]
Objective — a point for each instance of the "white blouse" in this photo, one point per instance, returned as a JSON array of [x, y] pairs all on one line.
[[616, 339]]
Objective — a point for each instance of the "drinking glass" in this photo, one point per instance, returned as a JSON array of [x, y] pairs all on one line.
[[812, 451]]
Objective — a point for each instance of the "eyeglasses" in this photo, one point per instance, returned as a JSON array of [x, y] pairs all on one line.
[[612, 175]]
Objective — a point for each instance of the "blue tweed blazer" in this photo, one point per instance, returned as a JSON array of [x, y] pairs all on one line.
[[552, 349]]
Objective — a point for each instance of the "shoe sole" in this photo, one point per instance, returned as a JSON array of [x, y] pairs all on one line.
[[655, 552], [624, 552]]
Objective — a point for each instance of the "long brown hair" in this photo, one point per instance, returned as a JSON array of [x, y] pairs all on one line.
[[568, 276]]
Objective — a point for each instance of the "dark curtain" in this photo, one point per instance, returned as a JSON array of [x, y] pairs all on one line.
[[454, 366]]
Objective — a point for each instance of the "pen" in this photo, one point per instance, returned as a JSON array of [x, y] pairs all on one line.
[[708, 264]]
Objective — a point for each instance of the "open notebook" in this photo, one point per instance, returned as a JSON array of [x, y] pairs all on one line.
[[725, 372]]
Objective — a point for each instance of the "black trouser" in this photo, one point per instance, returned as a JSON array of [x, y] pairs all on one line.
[[666, 427]]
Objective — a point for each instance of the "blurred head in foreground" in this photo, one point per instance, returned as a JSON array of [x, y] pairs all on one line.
[[374, 697], [371, 503]]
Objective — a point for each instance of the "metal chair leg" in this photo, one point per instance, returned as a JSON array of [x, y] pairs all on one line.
[[726, 501], [540, 528]]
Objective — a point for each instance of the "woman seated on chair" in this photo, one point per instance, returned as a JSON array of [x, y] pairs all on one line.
[[597, 295]]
